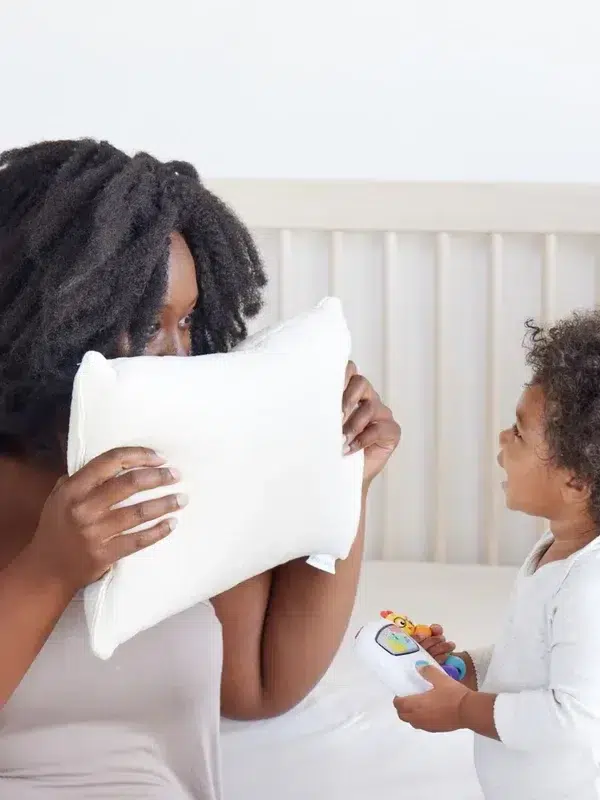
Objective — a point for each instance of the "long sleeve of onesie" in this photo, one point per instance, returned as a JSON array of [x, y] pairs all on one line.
[[481, 657], [568, 710]]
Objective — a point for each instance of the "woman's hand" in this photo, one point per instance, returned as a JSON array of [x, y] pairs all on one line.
[[79, 537], [369, 425]]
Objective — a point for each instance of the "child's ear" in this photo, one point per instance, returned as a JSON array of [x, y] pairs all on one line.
[[575, 491]]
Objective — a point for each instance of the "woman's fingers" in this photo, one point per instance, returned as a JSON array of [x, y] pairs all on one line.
[[116, 490], [106, 466], [121, 546], [124, 519]]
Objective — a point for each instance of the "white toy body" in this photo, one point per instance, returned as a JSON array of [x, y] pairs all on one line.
[[394, 657]]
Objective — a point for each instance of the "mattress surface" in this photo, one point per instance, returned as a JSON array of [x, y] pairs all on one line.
[[345, 741]]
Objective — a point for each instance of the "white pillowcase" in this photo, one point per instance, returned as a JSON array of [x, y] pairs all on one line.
[[256, 434]]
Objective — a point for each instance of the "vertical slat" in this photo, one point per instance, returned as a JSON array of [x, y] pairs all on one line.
[[597, 272], [493, 489], [335, 262], [440, 531], [390, 260], [549, 278], [389, 497], [285, 265], [548, 311]]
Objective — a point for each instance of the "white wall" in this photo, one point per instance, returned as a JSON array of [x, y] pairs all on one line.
[[386, 89]]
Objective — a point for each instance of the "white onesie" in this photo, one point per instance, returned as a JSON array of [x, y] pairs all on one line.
[[545, 669]]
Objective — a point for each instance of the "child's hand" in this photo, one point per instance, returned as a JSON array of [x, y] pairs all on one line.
[[437, 710], [436, 644]]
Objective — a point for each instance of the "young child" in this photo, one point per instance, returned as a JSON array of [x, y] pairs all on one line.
[[533, 699]]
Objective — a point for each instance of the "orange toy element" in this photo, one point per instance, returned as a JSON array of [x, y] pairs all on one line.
[[402, 621], [423, 631]]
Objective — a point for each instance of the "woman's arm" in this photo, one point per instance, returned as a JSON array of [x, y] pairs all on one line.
[[76, 542], [281, 630]]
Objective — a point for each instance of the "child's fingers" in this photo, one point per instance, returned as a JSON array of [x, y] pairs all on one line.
[[441, 651], [430, 641], [435, 630], [437, 646]]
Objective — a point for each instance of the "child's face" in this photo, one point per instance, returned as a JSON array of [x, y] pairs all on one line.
[[533, 485]]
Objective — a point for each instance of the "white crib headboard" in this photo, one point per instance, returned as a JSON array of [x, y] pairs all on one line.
[[437, 281]]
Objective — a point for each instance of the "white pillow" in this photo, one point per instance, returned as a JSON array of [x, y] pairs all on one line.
[[256, 434]]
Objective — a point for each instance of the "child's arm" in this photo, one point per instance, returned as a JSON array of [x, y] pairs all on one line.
[[564, 712], [448, 706], [476, 712], [477, 661], [567, 710]]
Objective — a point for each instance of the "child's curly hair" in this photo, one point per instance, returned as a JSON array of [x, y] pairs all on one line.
[[565, 361]]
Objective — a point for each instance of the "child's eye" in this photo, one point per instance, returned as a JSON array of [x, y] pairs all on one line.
[[515, 431]]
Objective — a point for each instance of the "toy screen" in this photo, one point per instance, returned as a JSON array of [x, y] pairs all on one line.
[[395, 642]]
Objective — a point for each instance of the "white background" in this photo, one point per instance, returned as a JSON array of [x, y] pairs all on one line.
[[386, 89]]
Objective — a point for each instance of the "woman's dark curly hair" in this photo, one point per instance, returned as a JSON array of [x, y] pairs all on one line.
[[84, 238], [565, 362]]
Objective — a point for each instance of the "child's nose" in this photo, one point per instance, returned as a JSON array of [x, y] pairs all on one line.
[[502, 439]]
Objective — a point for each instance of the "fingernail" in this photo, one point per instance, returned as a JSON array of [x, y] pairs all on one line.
[[175, 474], [172, 523], [348, 442], [182, 500], [158, 458]]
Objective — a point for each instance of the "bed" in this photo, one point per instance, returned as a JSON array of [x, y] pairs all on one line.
[[345, 741]]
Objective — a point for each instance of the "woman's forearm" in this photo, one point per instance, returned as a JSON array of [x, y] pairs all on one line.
[[307, 617], [282, 629]]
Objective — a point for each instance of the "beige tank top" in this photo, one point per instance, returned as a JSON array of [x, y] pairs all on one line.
[[144, 724]]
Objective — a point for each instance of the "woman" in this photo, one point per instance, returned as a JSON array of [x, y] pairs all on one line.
[[129, 256]]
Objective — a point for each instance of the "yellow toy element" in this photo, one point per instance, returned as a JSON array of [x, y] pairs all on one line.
[[400, 621], [409, 627]]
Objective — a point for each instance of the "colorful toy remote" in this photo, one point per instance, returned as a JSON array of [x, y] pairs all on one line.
[[454, 666], [390, 651]]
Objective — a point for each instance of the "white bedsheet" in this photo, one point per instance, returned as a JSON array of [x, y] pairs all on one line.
[[345, 742]]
